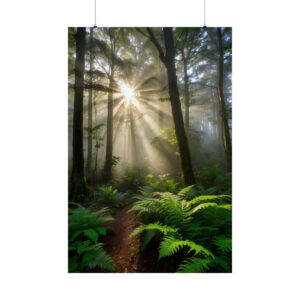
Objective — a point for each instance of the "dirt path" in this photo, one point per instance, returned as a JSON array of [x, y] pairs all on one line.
[[125, 252]]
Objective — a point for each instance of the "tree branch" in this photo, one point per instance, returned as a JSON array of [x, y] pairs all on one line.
[[157, 45]]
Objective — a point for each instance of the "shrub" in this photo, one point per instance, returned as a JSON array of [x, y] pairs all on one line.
[[85, 228], [108, 195], [132, 179], [162, 183], [196, 226]]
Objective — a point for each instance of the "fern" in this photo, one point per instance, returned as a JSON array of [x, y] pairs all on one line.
[[223, 243], [164, 229], [149, 235], [224, 263], [189, 221], [84, 230], [191, 192], [171, 245], [95, 256], [210, 198], [195, 265]]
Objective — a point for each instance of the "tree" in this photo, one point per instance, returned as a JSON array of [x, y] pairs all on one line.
[[186, 45], [169, 61], [90, 106], [225, 127], [78, 184]]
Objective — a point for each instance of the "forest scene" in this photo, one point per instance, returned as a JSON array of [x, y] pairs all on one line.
[[150, 156]]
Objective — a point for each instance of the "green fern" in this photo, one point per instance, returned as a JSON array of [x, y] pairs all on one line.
[[195, 265], [164, 229], [171, 245], [191, 192], [210, 198], [85, 227], [202, 224], [223, 243], [95, 256], [224, 262], [149, 235]]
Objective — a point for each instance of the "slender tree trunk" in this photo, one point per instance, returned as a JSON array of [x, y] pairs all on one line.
[[184, 150], [225, 128], [78, 185], [187, 97], [90, 108], [107, 172]]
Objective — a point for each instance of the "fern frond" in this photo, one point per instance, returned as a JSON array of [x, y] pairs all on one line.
[[223, 243], [204, 205], [148, 237], [195, 265], [224, 262], [210, 198], [145, 206], [164, 229], [171, 245], [183, 192], [97, 257]]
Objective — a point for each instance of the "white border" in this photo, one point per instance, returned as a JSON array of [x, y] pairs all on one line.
[[33, 149]]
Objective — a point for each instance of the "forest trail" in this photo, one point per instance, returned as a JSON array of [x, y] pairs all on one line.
[[124, 251]]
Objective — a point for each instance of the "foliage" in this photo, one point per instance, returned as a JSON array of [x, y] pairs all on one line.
[[162, 183], [194, 228], [108, 195], [85, 228], [115, 160], [132, 179], [167, 134], [215, 177]]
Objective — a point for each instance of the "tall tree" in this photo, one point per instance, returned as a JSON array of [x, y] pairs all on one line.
[[78, 185], [107, 171], [186, 45], [169, 61], [225, 127], [90, 106]]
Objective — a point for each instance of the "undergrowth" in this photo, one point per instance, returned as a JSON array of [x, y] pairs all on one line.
[[193, 227], [85, 229]]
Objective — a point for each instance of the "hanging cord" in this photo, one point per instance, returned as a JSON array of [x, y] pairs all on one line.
[[204, 14], [95, 13]]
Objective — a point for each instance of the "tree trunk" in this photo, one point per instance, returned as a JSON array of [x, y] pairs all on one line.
[[90, 109], [78, 185], [225, 128], [187, 97], [183, 146], [107, 172]]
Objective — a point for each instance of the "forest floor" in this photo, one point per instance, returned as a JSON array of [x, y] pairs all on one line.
[[125, 251]]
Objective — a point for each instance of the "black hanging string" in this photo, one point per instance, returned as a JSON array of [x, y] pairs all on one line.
[[95, 13]]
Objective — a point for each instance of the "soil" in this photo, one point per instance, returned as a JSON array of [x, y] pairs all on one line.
[[124, 251]]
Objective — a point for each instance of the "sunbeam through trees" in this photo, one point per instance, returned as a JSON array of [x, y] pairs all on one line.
[[150, 154]]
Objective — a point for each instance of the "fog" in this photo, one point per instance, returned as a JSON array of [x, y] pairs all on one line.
[[143, 132]]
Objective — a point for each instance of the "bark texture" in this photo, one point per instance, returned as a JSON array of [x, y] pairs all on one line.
[[107, 171], [90, 108], [184, 151], [225, 128], [78, 184]]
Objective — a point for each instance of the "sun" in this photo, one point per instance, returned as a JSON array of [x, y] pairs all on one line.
[[129, 94]]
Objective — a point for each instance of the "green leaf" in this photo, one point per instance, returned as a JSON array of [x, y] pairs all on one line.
[[223, 243], [195, 265], [91, 234], [102, 230], [171, 245], [154, 226]]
